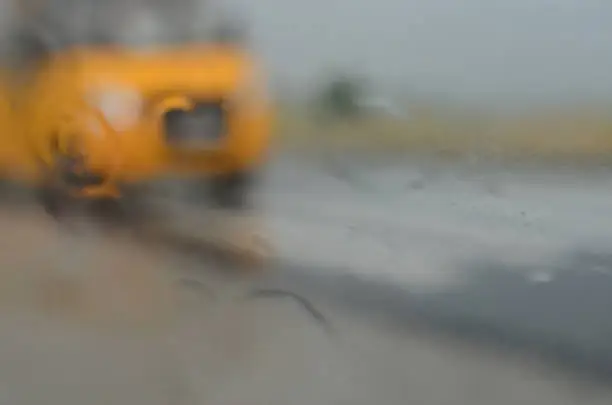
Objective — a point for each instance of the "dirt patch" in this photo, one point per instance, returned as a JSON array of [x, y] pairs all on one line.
[[85, 316], [79, 272]]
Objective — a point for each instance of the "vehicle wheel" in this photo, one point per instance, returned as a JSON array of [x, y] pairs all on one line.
[[239, 225], [233, 191], [6, 190], [136, 206], [53, 201]]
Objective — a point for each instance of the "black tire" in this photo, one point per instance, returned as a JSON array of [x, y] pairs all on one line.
[[5, 187], [135, 205], [233, 191], [7, 190], [130, 209], [54, 202]]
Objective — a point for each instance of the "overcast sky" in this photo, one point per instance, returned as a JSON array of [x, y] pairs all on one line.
[[479, 50]]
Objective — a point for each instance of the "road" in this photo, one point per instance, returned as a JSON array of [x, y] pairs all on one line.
[[426, 280], [389, 218], [518, 253]]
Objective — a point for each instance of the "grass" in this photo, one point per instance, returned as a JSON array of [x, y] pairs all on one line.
[[583, 135]]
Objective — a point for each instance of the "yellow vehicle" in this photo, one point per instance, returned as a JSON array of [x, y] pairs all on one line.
[[106, 108]]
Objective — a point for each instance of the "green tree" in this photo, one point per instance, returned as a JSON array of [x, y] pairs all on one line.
[[339, 98]]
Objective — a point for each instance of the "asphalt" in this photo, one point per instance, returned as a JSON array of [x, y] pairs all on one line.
[[514, 258], [393, 284]]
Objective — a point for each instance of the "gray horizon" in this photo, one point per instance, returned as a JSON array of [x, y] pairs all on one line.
[[499, 52]]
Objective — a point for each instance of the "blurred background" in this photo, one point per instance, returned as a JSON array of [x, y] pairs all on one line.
[[498, 79], [439, 191], [493, 79]]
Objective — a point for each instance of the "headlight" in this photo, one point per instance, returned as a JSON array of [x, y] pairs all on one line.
[[121, 108]]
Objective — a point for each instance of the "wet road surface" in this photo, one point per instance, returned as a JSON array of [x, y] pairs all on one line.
[[520, 256], [423, 302]]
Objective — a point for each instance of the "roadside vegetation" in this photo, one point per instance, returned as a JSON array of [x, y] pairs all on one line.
[[334, 118]]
